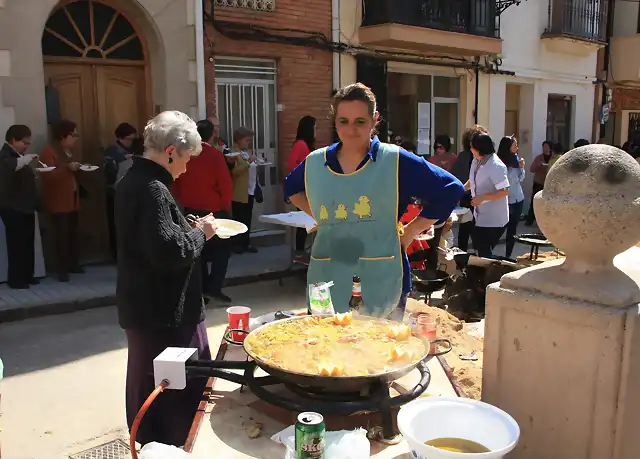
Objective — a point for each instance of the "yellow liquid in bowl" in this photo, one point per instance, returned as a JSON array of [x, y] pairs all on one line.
[[457, 445]]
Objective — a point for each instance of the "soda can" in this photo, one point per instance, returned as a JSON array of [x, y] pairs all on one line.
[[310, 432]]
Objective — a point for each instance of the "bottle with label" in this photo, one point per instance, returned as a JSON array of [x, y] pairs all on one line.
[[356, 303]]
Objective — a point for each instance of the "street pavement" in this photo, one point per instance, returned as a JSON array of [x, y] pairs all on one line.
[[63, 390]]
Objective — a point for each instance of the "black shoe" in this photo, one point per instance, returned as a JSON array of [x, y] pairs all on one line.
[[218, 297], [34, 281], [77, 270], [18, 286], [251, 249], [63, 277]]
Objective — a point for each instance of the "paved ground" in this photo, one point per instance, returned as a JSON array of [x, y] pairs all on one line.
[[63, 390], [97, 287]]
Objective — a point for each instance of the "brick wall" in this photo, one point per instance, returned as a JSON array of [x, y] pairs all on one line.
[[304, 78]]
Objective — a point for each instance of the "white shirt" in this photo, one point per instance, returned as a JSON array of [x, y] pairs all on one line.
[[253, 174], [516, 176], [487, 176]]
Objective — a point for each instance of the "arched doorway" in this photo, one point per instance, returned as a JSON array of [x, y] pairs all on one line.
[[97, 62]]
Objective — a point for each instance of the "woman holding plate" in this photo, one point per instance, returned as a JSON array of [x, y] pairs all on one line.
[[245, 185], [62, 196], [159, 291], [357, 190]]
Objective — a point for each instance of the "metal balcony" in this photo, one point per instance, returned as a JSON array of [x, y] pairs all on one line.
[[454, 26], [582, 22]]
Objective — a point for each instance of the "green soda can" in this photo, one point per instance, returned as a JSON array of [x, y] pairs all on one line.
[[310, 430]]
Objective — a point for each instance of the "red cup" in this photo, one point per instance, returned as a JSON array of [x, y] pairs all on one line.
[[238, 320]]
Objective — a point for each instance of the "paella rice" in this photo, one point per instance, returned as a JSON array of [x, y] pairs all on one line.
[[340, 345]]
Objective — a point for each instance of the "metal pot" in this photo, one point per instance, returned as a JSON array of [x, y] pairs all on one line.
[[333, 383], [429, 281]]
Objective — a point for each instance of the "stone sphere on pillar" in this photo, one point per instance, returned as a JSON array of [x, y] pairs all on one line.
[[590, 206]]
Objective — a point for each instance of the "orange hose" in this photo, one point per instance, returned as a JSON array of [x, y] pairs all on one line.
[[141, 412]]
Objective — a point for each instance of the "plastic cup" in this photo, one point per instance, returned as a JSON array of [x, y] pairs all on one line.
[[238, 320], [427, 328]]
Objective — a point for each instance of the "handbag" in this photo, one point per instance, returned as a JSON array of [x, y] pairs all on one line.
[[258, 196]]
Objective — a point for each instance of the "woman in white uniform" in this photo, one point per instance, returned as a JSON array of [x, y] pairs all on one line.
[[489, 185]]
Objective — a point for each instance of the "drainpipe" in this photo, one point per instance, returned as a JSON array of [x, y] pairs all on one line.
[[475, 110], [200, 70], [335, 37]]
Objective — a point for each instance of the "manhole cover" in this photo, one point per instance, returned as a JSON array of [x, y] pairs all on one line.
[[116, 449]]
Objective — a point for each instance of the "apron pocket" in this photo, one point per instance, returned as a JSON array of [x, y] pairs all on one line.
[[377, 258]]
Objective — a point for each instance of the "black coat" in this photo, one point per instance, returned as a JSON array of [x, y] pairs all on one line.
[[18, 190], [159, 280]]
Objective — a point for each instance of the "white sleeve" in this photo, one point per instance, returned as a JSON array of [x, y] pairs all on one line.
[[499, 176], [23, 161]]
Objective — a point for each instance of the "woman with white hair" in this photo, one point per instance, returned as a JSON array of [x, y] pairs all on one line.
[[159, 290]]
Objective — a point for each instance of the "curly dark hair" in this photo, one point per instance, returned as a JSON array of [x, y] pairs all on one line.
[[62, 129], [469, 133]]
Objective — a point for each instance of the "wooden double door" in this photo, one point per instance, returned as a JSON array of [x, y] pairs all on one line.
[[97, 98]]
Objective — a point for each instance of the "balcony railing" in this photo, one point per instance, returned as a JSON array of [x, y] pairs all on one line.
[[474, 17], [584, 19]]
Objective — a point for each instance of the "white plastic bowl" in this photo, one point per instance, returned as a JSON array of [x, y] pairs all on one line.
[[450, 417]]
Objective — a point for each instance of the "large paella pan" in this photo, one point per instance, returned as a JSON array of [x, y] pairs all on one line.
[[337, 353]]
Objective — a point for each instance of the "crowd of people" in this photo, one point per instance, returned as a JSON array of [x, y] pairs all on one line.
[[221, 181]]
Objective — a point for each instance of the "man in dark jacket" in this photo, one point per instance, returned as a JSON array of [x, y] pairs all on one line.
[[18, 201], [114, 155]]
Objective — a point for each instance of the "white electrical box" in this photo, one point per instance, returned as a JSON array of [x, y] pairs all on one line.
[[171, 365]]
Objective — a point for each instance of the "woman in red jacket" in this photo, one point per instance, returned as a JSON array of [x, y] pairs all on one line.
[[305, 143]]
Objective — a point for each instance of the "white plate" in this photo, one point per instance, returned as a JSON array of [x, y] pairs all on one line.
[[229, 228], [233, 155], [88, 168], [45, 169]]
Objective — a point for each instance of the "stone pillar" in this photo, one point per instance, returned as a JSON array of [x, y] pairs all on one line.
[[562, 339]]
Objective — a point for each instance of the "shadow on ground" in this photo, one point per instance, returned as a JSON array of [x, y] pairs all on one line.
[[46, 342]]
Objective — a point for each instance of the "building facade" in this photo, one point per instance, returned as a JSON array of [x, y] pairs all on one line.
[[100, 63], [551, 46], [265, 69], [621, 65], [423, 60]]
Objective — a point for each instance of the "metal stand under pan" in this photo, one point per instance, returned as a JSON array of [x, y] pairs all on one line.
[[376, 399]]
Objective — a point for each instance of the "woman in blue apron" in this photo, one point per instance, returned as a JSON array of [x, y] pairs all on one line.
[[357, 190]]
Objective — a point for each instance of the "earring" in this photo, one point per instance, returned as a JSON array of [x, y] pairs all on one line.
[[170, 160]]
